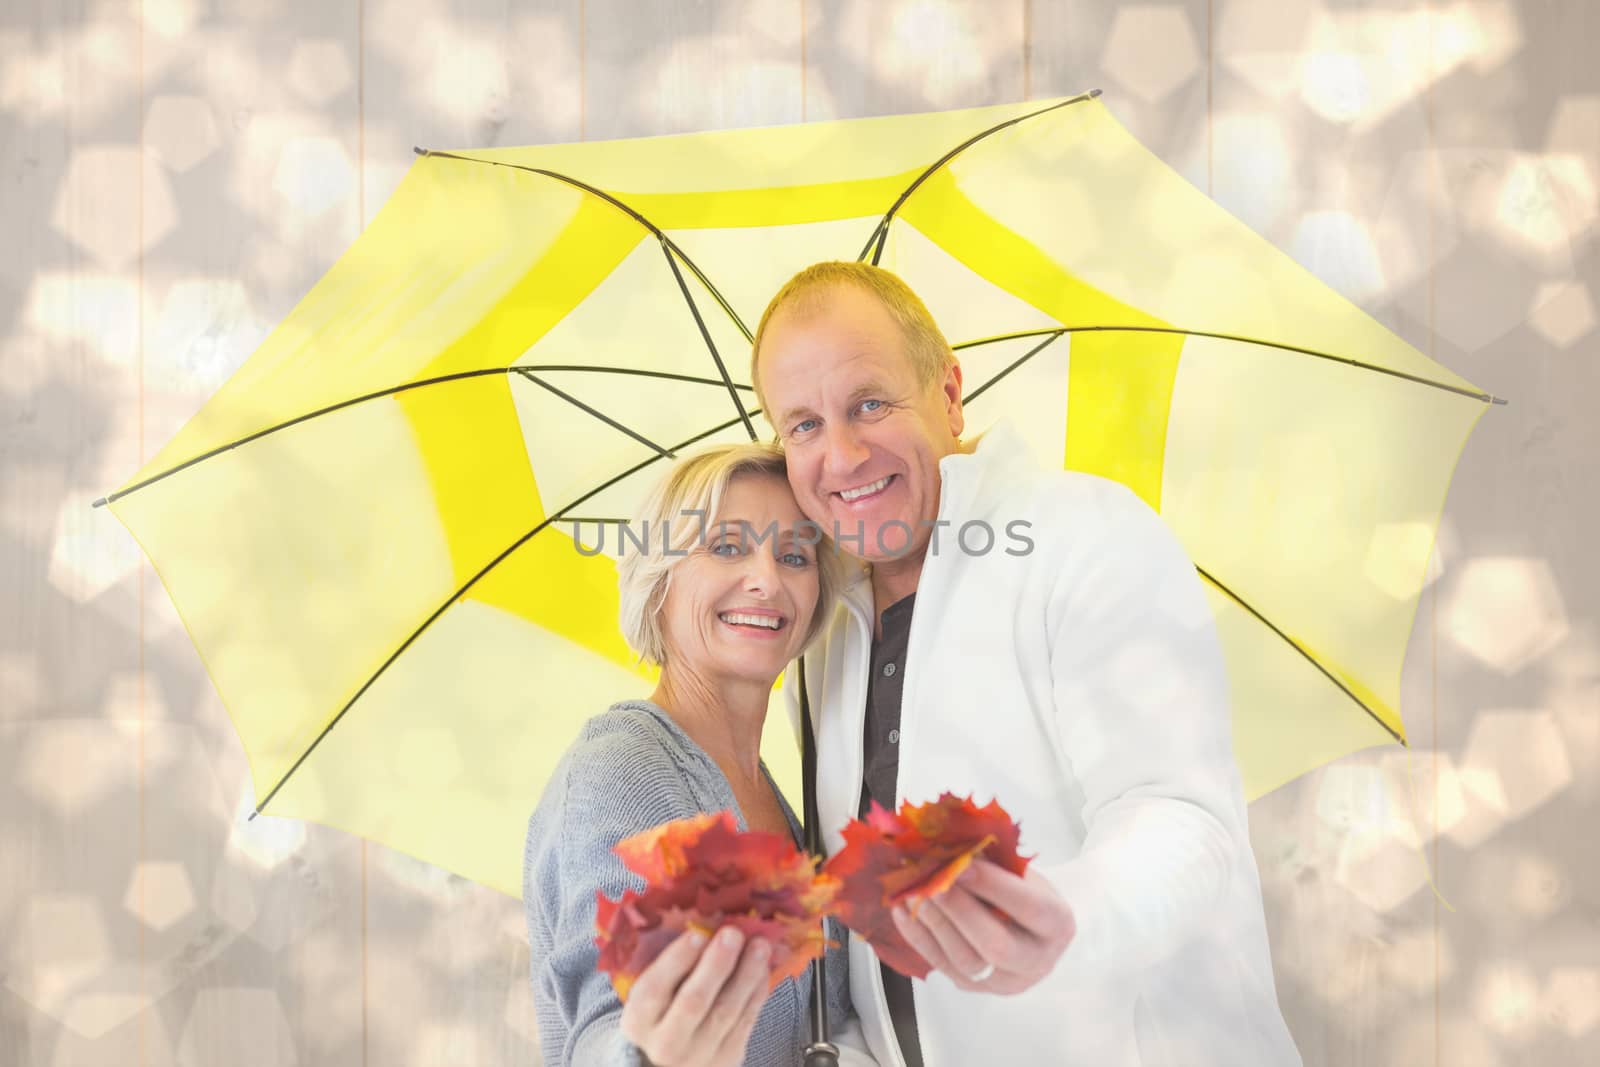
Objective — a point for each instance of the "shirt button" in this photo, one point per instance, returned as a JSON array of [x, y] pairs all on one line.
[[894, 737], [888, 670]]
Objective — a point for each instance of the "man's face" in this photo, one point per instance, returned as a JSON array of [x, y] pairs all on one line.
[[863, 437]]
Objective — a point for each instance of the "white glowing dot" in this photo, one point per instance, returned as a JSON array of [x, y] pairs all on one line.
[[1253, 163], [181, 130], [314, 175], [100, 311], [205, 331], [1506, 611], [98, 204], [1507, 999], [1384, 875], [92, 551], [1516, 760], [1334, 85], [267, 840], [1339, 250], [159, 893], [1150, 50], [169, 18], [1563, 314], [469, 80], [1543, 202], [63, 943], [1572, 997]]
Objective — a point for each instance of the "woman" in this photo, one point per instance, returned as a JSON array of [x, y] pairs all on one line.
[[726, 593]]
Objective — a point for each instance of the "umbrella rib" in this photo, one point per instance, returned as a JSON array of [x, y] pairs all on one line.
[[1050, 336], [615, 202], [1019, 361], [1056, 330], [602, 416], [391, 391], [881, 231], [459, 593], [705, 334], [1309, 658]]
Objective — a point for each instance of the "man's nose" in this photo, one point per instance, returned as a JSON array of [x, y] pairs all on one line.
[[844, 451]]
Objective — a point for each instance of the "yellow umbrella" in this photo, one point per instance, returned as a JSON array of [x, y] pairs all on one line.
[[369, 534]]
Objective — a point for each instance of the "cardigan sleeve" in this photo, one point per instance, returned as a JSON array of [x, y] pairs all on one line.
[[608, 788], [1141, 700]]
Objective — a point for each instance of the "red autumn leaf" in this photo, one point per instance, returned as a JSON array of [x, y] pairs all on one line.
[[702, 874], [866, 859], [657, 854], [906, 858]]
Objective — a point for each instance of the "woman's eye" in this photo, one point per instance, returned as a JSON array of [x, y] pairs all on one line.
[[794, 559], [804, 426], [725, 548], [870, 406]]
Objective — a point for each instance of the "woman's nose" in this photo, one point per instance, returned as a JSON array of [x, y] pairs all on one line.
[[761, 571]]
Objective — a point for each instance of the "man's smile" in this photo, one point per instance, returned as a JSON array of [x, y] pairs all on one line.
[[863, 492]]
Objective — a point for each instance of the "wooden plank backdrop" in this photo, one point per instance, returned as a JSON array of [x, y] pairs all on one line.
[[175, 174]]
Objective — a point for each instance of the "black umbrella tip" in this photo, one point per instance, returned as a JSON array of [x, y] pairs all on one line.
[[419, 151], [1093, 93], [99, 503], [1498, 400], [252, 816]]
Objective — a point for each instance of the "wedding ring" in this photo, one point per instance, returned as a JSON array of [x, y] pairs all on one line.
[[983, 975]]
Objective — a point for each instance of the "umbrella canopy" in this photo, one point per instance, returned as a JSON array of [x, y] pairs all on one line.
[[369, 529]]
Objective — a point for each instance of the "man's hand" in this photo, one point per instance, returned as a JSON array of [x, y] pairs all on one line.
[[961, 933]]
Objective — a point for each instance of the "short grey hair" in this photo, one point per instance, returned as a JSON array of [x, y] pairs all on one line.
[[697, 483]]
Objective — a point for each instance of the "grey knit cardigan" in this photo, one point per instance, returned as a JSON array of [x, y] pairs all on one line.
[[631, 768]]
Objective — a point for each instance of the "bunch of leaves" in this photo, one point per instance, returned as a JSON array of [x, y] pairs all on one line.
[[702, 874], [890, 859]]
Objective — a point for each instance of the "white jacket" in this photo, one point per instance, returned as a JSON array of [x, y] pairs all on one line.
[[1081, 684]]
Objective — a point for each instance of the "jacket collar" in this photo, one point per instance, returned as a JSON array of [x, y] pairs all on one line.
[[974, 482]]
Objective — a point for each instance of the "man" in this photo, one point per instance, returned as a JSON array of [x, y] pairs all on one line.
[[1036, 637]]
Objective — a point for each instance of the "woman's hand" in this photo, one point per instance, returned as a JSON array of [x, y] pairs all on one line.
[[697, 1002]]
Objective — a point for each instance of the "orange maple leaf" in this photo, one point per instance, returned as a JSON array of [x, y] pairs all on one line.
[[891, 859], [702, 874]]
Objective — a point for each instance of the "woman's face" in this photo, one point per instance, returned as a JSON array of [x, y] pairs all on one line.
[[738, 607]]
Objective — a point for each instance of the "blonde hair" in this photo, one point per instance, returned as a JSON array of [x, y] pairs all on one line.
[[930, 354], [697, 483]]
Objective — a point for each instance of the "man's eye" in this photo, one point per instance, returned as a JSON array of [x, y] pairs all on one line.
[[870, 406], [804, 426]]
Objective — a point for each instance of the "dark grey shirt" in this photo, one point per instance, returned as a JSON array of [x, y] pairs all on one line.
[[880, 750]]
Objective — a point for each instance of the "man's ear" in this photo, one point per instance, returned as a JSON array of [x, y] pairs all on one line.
[[950, 387]]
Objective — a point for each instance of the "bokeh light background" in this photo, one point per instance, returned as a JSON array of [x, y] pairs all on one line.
[[175, 174]]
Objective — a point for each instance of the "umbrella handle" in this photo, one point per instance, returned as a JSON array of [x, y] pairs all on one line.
[[820, 1052]]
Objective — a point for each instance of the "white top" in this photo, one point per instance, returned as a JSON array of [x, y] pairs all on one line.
[[1073, 673]]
